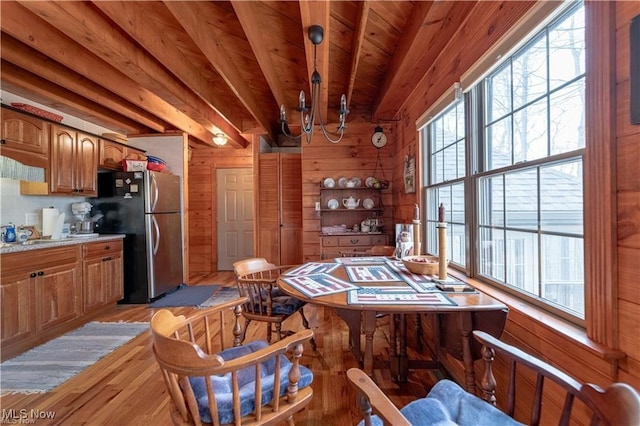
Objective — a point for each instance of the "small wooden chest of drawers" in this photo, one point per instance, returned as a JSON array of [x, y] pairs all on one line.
[[335, 245]]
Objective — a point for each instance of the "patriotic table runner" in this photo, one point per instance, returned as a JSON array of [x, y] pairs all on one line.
[[370, 273], [317, 284], [420, 283], [395, 296], [361, 260], [313, 268]]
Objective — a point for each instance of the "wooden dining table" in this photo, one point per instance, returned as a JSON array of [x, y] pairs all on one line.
[[464, 312]]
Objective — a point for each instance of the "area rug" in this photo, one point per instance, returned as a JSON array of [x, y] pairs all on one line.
[[49, 365], [225, 294], [186, 295]]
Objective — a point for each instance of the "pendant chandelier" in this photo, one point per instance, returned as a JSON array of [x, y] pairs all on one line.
[[308, 116]]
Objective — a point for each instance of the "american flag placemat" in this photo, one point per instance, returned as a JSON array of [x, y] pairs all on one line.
[[420, 283], [313, 268], [363, 260], [389, 295], [370, 274], [317, 284]]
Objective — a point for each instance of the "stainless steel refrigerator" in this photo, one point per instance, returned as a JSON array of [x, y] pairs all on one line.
[[145, 206]]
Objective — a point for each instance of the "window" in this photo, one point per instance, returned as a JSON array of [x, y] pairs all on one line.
[[509, 171]]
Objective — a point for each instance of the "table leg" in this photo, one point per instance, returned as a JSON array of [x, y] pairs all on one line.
[[465, 325], [353, 320], [403, 359], [369, 329], [393, 345]]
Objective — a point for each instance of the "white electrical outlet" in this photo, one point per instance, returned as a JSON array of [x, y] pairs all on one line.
[[30, 219], [317, 206]]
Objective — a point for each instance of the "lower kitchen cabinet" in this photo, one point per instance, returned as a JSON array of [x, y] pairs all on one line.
[[102, 273], [46, 292], [39, 292]]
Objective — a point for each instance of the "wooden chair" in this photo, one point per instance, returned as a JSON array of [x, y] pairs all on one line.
[[447, 402], [257, 280], [208, 383]]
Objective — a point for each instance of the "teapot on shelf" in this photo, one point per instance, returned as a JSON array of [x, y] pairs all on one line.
[[350, 203]]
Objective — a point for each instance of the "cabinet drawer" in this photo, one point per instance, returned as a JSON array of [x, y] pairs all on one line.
[[101, 248], [28, 260], [355, 240], [330, 241], [378, 240]]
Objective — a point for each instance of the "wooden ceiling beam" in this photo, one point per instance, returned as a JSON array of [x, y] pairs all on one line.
[[64, 100], [84, 23], [39, 64], [358, 39], [316, 12], [254, 31], [34, 32], [398, 85], [195, 18], [430, 29], [133, 18]]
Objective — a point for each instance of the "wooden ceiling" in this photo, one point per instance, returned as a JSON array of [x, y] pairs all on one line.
[[223, 66]]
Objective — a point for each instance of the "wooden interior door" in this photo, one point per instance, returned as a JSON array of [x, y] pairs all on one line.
[[279, 212], [234, 215]]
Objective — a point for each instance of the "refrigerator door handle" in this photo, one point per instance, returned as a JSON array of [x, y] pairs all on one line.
[[154, 188], [156, 243]]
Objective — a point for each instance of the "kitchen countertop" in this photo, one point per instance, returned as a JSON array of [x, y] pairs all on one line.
[[44, 244]]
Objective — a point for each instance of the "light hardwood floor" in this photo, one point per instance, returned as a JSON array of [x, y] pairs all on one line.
[[125, 388]]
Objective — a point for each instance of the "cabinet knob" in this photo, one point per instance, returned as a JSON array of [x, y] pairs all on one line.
[[354, 240], [33, 275], [3, 141], [75, 189], [80, 190], [106, 259], [40, 273], [107, 247]]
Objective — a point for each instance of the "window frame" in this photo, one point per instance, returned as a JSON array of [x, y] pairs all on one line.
[[475, 133]]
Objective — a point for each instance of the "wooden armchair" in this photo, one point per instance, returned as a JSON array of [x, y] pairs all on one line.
[[448, 403], [211, 384], [257, 282]]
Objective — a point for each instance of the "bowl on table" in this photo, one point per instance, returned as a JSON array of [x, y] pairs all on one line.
[[423, 264]]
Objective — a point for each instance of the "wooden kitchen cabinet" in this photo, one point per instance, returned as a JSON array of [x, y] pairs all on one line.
[[38, 294], [73, 162], [112, 154], [333, 246], [25, 138], [102, 274]]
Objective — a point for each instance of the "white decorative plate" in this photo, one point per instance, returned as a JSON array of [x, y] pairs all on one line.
[[368, 203], [370, 181], [333, 204], [329, 183], [357, 182], [342, 182]]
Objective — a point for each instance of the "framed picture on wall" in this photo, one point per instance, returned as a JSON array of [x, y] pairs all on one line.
[[409, 174], [634, 84]]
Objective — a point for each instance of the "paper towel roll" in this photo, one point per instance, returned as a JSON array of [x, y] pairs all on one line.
[[49, 218], [57, 228]]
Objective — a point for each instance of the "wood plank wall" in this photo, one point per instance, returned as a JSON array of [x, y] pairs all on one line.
[[628, 202], [578, 359], [203, 253], [354, 156]]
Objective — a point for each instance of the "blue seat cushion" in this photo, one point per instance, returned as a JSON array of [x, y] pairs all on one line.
[[281, 304], [222, 386], [449, 404]]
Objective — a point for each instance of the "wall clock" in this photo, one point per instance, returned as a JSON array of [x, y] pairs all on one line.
[[378, 139]]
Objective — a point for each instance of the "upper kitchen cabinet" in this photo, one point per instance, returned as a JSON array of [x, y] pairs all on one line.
[[74, 162], [25, 138], [112, 154]]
